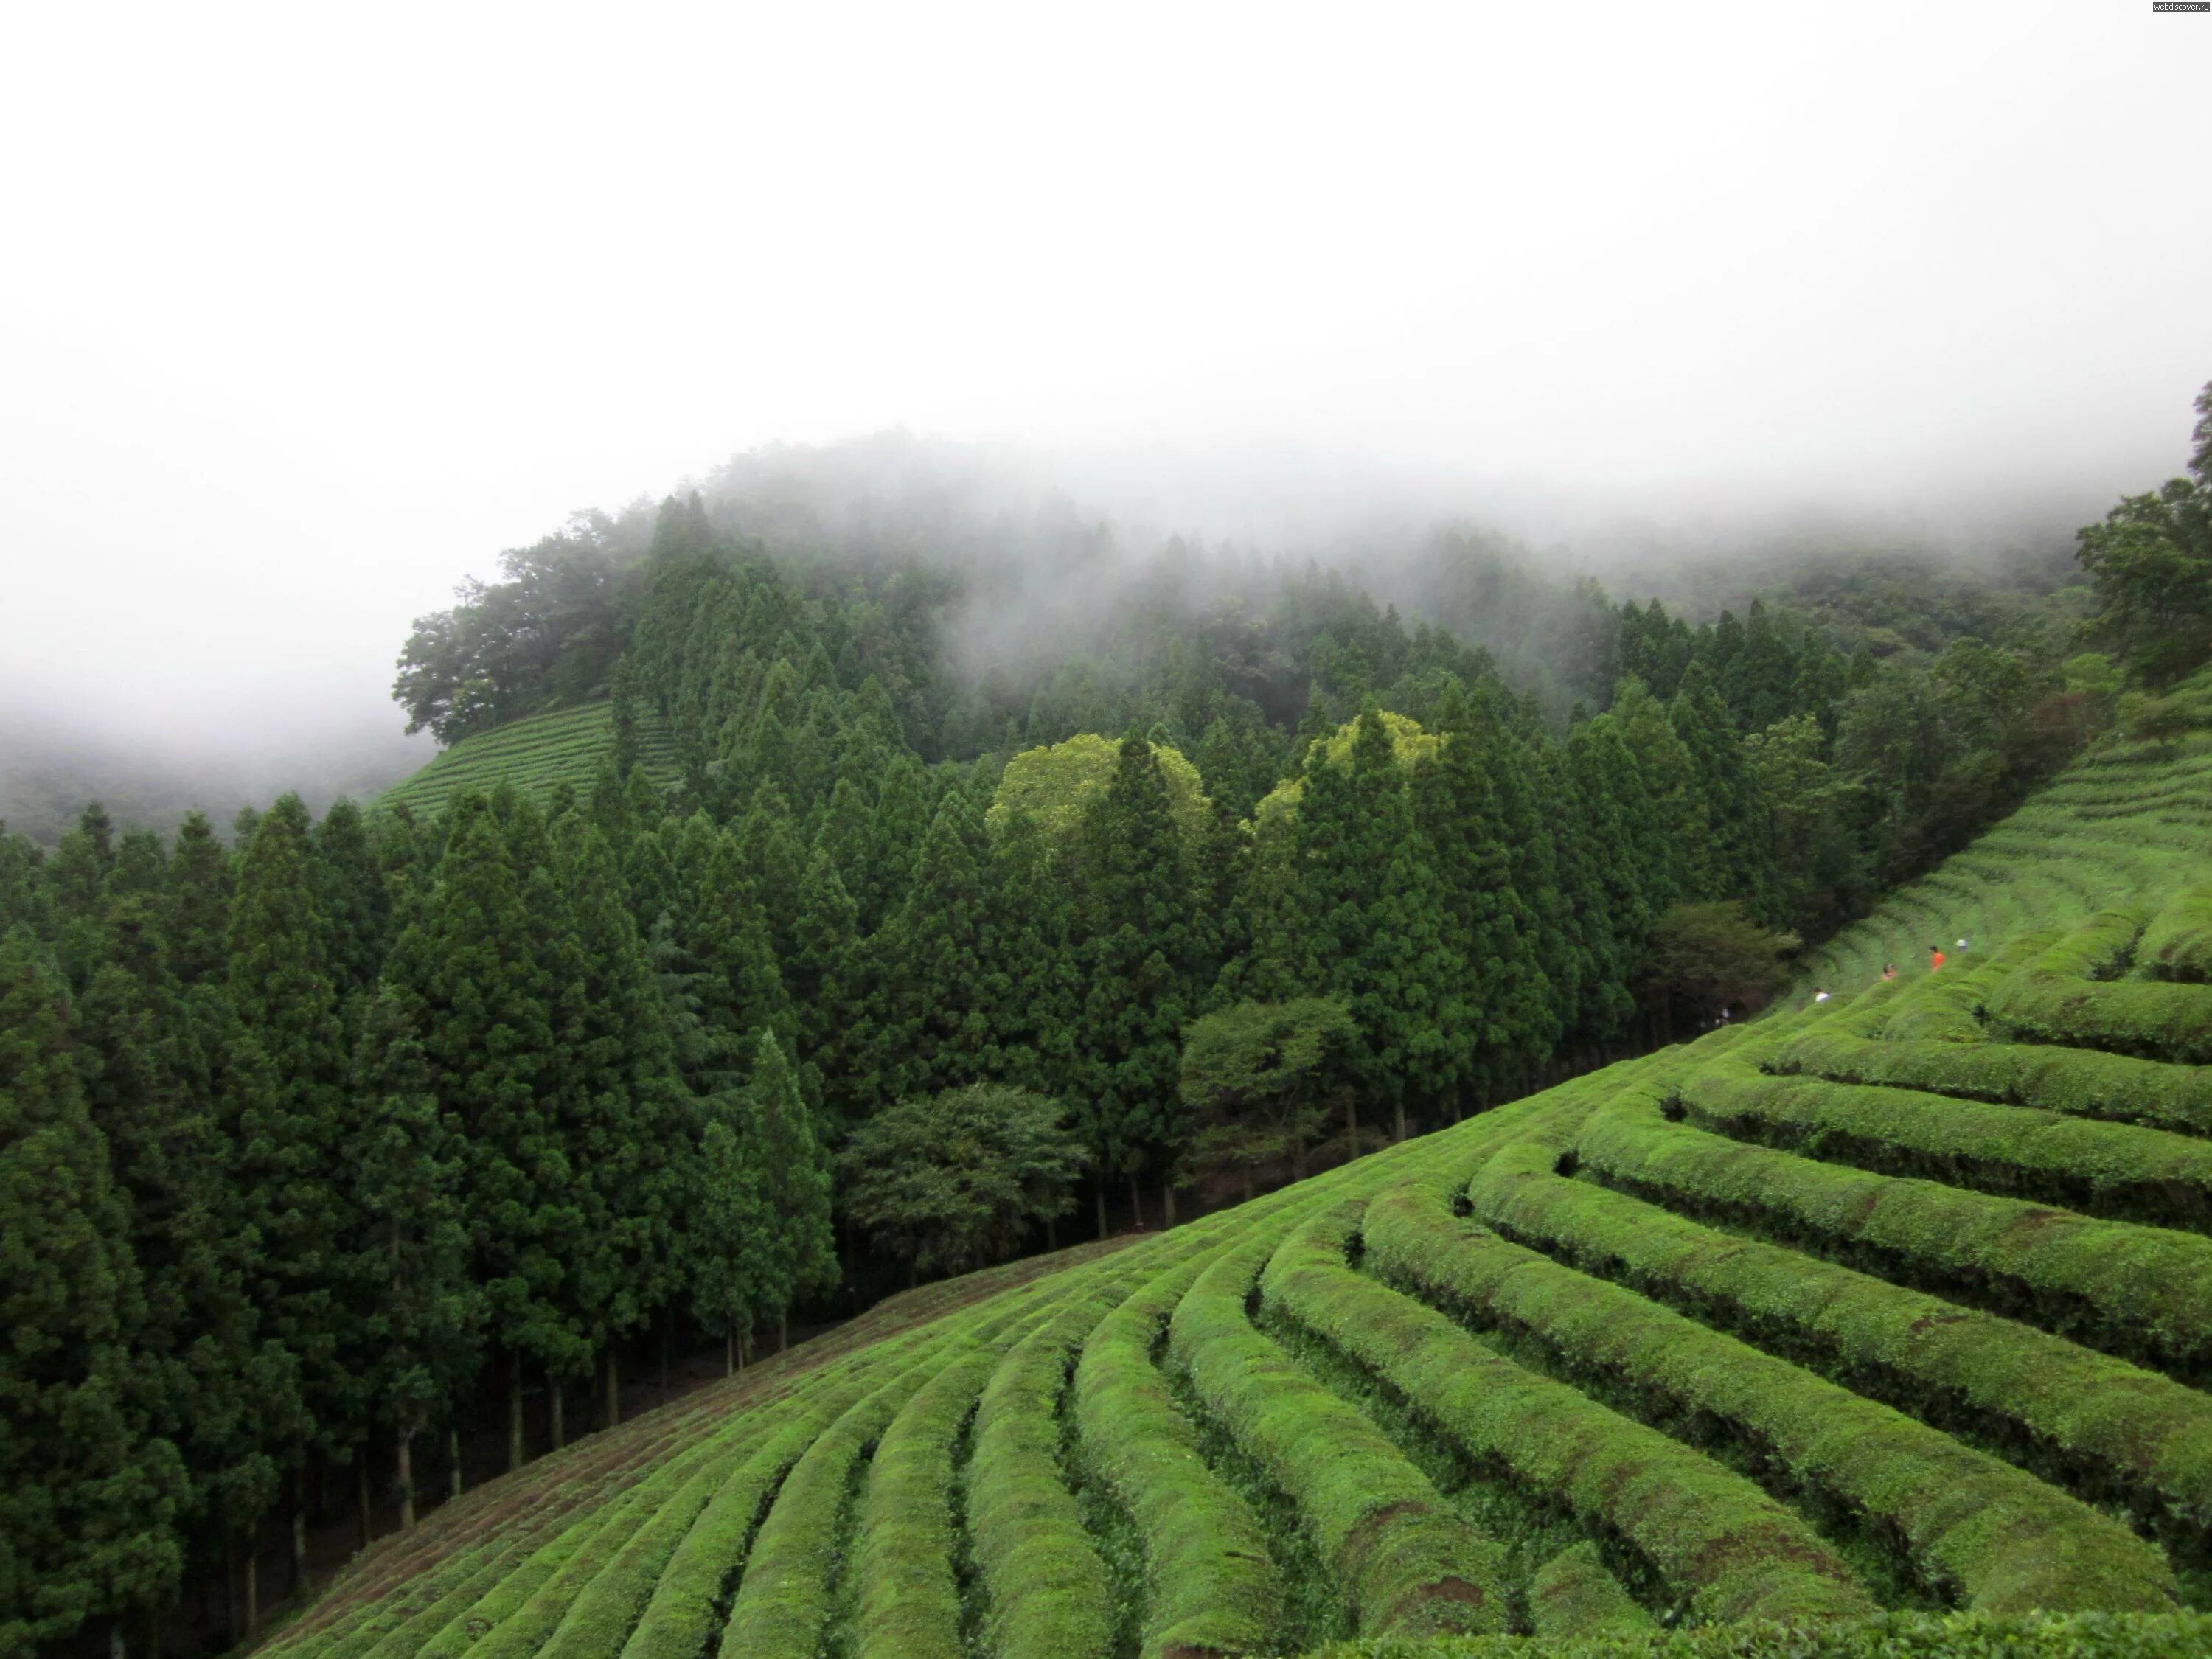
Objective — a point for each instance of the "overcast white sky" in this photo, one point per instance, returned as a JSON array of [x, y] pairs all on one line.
[[306, 311]]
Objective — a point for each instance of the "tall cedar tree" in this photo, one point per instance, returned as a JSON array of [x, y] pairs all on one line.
[[411, 1163], [290, 1138], [224, 1393], [480, 1004], [87, 1497], [1141, 965], [941, 1026], [1460, 805], [628, 1108], [800, 1257]]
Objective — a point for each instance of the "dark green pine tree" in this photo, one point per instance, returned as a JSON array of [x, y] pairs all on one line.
[[800, 1258], [1737, 859], [1141, 965], [939, 1033], [24, 899], [728, 1247], [291, 1142], [225, 1394], [1395, 964], [1313, 726], [775, 864], [846, 834], [1507, 1016], [1768, 673], [88, 1496], [901, 819], [1675, 810], [425, 1310], [1596, 1006], [479, 999], [831, 993], [626, 1109], [1034, 971], [727, 936], [356, 902]]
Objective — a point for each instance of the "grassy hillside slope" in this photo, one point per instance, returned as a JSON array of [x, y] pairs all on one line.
[[535, 754], [1891, 1317]]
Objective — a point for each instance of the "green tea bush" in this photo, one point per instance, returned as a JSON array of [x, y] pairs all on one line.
[[2110, 1169], [1972, 1526], [1723, 1547], [2139, 1292], [2119, 1429], [1212, 1585], [1573, 1596], [1408, 1562]]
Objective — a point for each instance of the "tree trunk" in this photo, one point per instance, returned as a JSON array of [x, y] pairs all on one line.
[[730, 1350], [1298, 1159], [913, 1274], [1352, 1123], [515, 1413], [613, 1388], [1051, 1235], [1099, 1193], [299, 1563], [405, 1470], [360, 1492], [453, 1458], [782, 1330], [556, 1388], [745, 1346], [152, 1634], [1399, 1133], [1245, 1170], [230, 1587], [667, 1339], [1167, 1203], [253, 1583], [115, 1649], [1136, 1205]]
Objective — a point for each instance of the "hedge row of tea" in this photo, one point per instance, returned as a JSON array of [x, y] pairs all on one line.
[[535, 756], [1886, 1320]]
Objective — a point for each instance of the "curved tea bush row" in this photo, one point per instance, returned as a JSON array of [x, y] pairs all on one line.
[[2059, 999], [1726, 1548], [2145, 1174], [687, 1603], [599, 1618], [2140, 1291], [2178, 944], [1213, 1587], [783, 1601], [1048, 1588], [909, 1594], [2078, 1082], [1572, 1597], [2003, 1540], [2111, 1422], [1410, 1565]]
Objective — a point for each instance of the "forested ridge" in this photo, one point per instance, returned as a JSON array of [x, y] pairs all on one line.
[[325, 1142]]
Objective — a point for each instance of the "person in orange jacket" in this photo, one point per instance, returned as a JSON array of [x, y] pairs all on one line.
[[1934, 958]]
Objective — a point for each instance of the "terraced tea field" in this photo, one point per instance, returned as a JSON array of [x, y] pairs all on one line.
[[535, 754], [1890, 1315]]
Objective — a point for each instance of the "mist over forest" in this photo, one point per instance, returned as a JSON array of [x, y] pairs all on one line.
[[1039, 550]]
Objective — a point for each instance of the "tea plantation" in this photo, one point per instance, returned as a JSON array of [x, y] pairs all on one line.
[[534, 754], [1886, 1319]]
